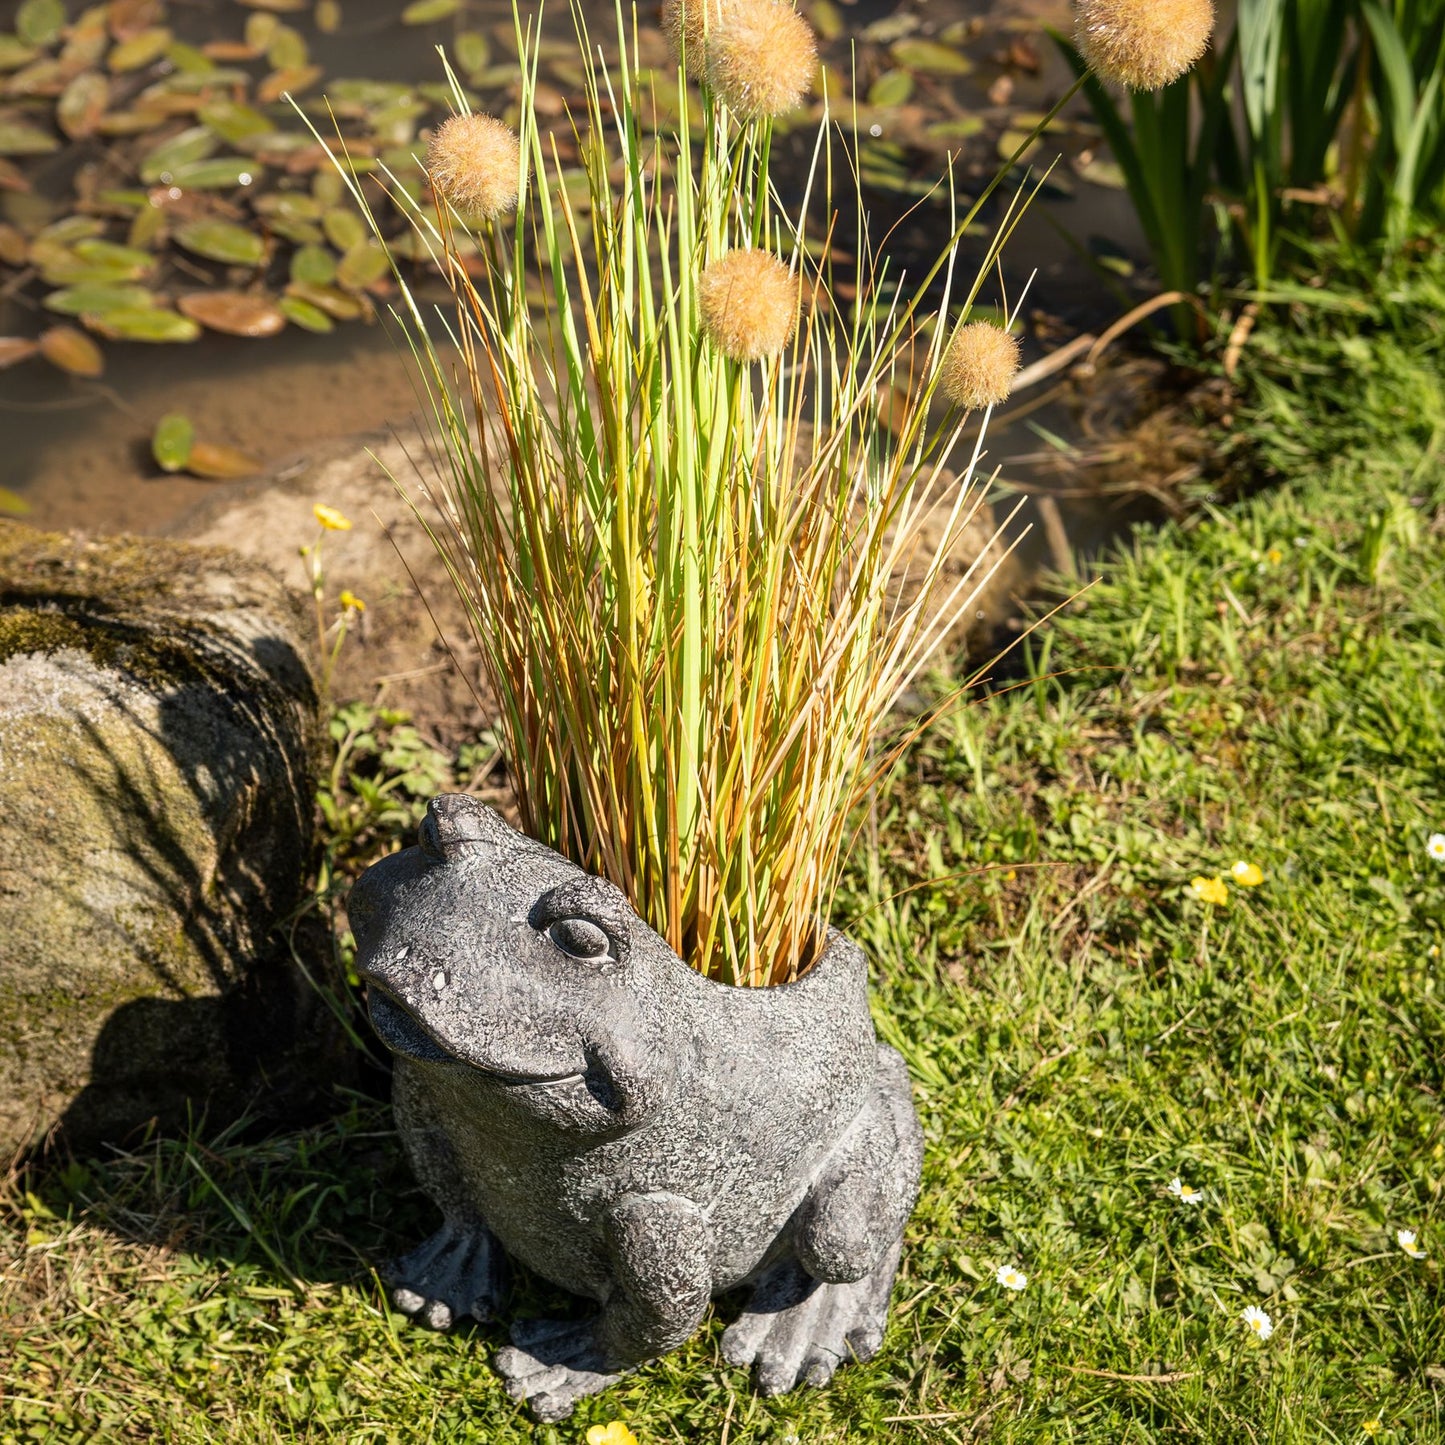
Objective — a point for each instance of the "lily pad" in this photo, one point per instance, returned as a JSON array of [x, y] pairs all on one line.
[[291, 80], [223, 173], [39, 22], [220, 463], [237, 313], [15, 349], [304, 314], [140, 50], [14, 52], [343, 228], [172, 440], [363, 264], [97, 299], [222, 241], [893, 87], [313, 266], [19, 139], [330, 299], [72, 351], [287, 49], [145, 324], [82, 103], [233, 122], [423, 12], [932, 56], [96, 252], [196, 144]]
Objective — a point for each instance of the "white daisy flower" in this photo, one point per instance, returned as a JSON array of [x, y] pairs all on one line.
[[1185, 1193], [1259, 1323], [1011, 1278], [1435, 847], [1406, 1240]]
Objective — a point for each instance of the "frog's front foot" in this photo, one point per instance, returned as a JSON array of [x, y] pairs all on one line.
[[797, 1331], [458, 1271], [552, 1364]]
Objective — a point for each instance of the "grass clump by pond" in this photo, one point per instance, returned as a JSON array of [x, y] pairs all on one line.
[[1262, 686]]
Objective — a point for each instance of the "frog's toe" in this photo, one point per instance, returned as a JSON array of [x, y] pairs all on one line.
[[552, 1364], [454, 1273], [796, 1331]]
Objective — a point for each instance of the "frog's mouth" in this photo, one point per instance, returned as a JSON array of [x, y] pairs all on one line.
[[401, 1031]]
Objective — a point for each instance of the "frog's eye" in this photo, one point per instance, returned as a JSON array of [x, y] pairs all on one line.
[[581, 938]]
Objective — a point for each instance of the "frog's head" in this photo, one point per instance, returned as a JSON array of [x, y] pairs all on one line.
[[486, 951]]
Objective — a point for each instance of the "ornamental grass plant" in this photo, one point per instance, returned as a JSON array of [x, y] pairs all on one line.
[[689, 546]]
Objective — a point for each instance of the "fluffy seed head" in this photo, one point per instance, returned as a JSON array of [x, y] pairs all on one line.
[[1143, 44], [473, 162], [685, 22], [749, 302], [760, 57], [979, 366]]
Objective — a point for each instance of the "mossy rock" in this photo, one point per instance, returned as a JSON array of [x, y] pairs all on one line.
[[158, 734]]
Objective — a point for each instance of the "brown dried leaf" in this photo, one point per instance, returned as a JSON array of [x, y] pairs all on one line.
[[220, 463], [15, 349], [237, 313], [72, 351]]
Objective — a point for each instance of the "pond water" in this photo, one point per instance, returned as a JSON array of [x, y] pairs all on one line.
[[78, 449]]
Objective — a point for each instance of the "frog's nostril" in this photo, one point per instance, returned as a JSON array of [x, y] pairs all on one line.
[[457, 822]]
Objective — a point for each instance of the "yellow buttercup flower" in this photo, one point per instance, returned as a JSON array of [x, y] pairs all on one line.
[[351, 601], [612, 1433], [1247, 875], [1210, 890], [330, 518]]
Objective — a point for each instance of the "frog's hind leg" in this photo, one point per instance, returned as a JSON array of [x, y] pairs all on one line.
[[829, 1302], [459, 1269], [797, 1331]]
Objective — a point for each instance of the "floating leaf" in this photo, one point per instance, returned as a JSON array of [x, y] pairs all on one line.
[[237, 313], [827, 19], [259, 30], [290, 81], [82, 103], [343, 228], [19, 139], [71, 351], [66, 231], [189, 60], [95, 300], [1101, 171], [14, 52], [304, 314], [108, 254], [13, 246], [330, 299], [15, 349], [363, 264], [287, 49], [39, 22], [891, 88], [218, 463], [222, 241], [12, 178], [960, 128], [313, 266], [144, 324], [423, 12], [139, 50], [327, 16], [161, 164], [284, 6], [129, 17], [12, 503], [172, 440], [931, 55], [233, 122], [471, 51], [223, 173]]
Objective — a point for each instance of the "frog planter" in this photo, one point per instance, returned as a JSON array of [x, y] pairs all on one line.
[[571, 1093]]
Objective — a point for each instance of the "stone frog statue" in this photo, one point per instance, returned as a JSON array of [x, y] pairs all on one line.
[[570, 1092]]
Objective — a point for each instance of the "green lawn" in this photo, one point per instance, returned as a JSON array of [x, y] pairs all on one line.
[[1264, 685]]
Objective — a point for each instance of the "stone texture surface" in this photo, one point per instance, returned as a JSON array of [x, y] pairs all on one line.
[[157, 730], [571, 1093]]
